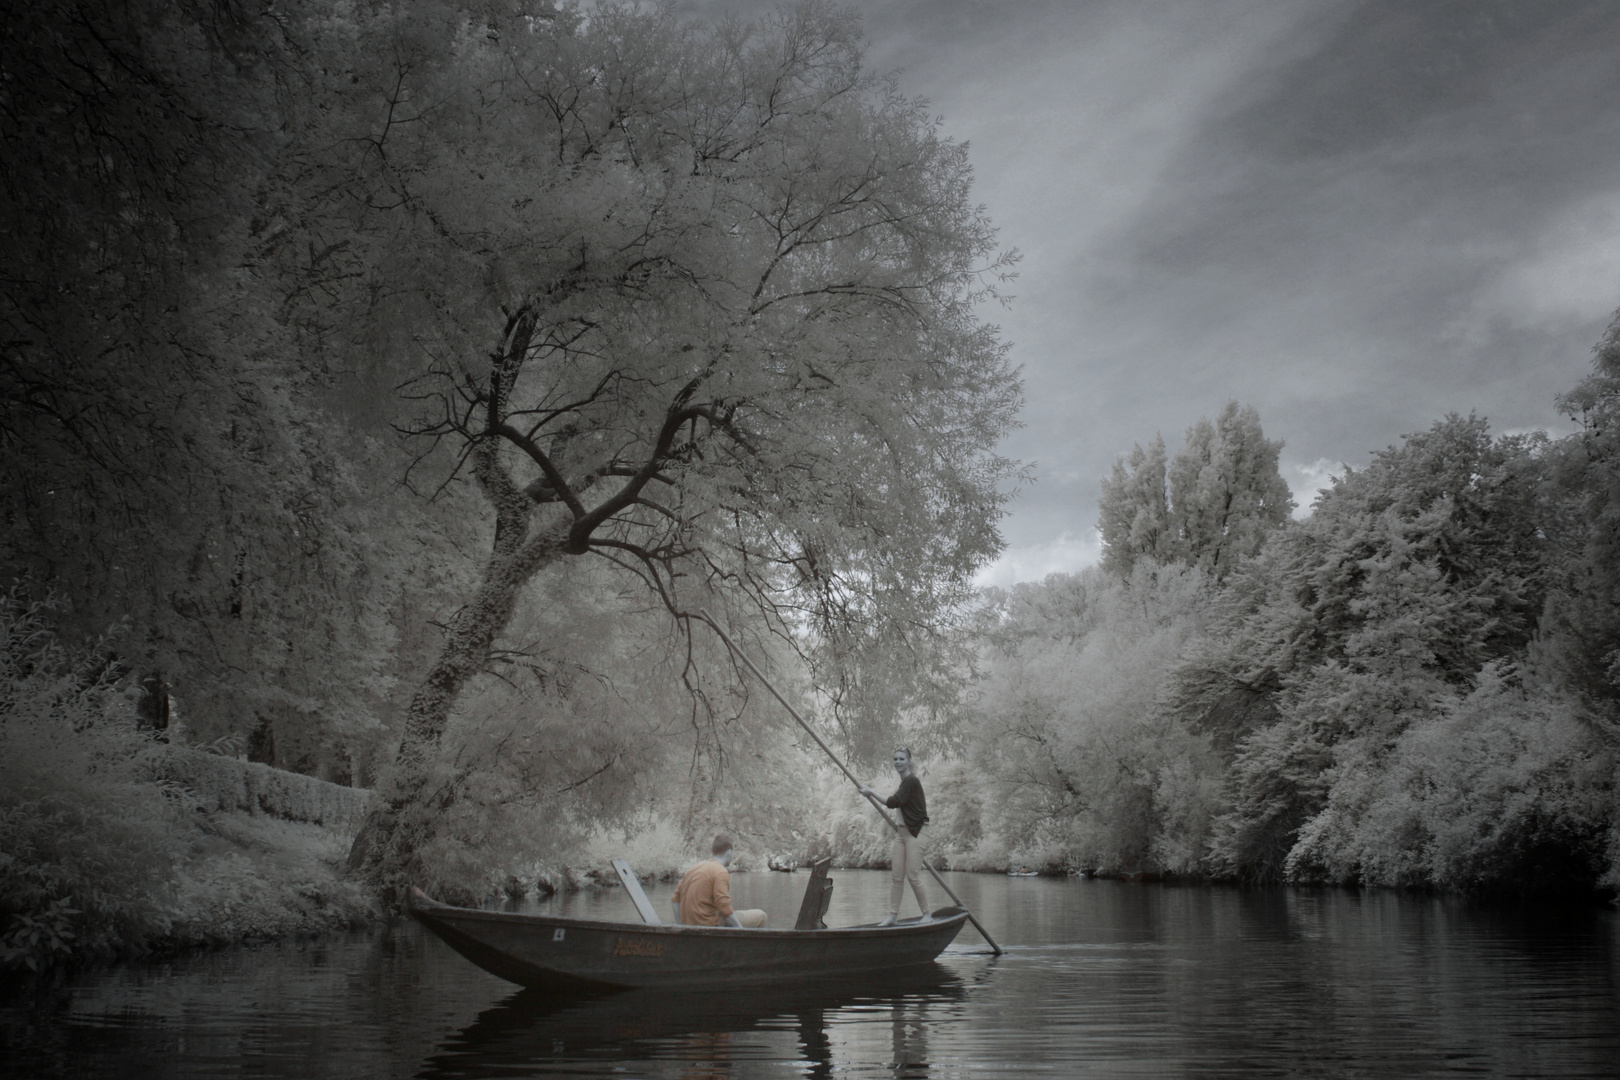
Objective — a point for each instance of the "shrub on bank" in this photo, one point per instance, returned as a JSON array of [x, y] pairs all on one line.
[[1503, 790], [215, 782], [252, 877], [87, 840], [102, 855]]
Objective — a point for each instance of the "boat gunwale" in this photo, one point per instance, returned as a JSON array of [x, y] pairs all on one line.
[[420, 902]]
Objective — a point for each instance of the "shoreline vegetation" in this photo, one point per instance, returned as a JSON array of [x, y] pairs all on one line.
[[1414, 687], [115, 845], [247, 876]]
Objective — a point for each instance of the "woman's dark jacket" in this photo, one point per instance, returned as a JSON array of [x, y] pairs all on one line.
[[908, 799]]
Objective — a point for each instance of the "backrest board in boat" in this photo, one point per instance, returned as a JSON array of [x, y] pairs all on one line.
[[632, 885], [817, 897]]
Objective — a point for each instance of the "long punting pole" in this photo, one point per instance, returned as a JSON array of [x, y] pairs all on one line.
[[879, 807]]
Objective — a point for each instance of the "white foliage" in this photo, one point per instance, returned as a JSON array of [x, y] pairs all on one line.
[[1490, 789], [585, 731], [1073, 737]]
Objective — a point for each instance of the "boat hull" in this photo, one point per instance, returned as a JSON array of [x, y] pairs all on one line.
[[555, 953]]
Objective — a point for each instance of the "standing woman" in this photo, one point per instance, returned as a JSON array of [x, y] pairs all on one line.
[[906, 858]]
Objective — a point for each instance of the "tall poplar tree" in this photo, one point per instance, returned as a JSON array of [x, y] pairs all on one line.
[[1210, 507], [1580, 628], [1134, 511]]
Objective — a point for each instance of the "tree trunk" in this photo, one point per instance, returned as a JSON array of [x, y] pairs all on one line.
[[401, 815], [152, 710]]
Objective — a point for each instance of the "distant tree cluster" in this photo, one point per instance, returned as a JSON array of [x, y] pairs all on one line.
[[1418, 684], [1210, 507]]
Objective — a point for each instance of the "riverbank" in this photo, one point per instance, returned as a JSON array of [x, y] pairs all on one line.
[[115, 845], [138, 849], [184, 850], [234, 878]]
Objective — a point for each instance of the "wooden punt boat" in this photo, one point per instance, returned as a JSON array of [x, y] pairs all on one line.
[[559, 954]]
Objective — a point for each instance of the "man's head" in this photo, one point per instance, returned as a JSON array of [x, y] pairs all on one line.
[[722, 848]]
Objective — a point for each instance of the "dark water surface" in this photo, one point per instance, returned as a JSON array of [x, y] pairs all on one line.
[[1100, 979]]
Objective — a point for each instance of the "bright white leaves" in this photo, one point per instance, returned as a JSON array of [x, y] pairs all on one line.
[[732, 258], [1083, 765], [1211, 506]]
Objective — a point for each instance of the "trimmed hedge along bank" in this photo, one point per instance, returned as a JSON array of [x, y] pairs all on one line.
[[224, 783]]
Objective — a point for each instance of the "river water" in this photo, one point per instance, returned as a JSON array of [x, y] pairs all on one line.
[[1099, 978]]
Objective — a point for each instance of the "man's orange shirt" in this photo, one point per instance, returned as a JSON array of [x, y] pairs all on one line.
[[704, 894]]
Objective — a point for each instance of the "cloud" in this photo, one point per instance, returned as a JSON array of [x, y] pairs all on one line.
[[1067, 554], [1569, 274], [1306, 481]]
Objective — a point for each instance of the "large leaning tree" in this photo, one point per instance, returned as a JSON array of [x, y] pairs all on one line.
[[699, 301]]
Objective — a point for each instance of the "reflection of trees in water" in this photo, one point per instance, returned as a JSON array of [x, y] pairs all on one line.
[[910, 1038], [696, 1027]]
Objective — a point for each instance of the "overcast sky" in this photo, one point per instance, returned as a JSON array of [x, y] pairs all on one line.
[[1354, 216]]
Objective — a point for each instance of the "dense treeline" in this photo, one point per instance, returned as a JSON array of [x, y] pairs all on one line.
[[1418, 684]]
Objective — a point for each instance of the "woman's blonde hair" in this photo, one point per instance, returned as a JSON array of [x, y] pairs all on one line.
[[906, 750]]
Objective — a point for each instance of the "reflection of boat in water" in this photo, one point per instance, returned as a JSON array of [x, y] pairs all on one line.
[[556, 953], [531, 1032]]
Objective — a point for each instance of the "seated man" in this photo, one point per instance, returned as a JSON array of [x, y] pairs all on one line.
[[703, 898]]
